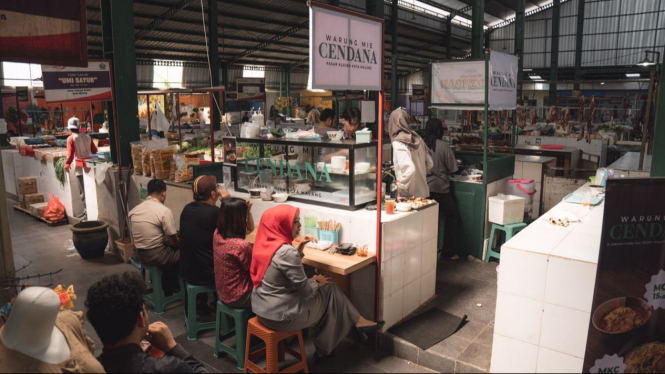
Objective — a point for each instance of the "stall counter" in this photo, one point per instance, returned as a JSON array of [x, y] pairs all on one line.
[[408, 249], [546, 286]]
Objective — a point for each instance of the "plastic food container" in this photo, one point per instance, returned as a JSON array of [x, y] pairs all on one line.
[[507, 210], [525, 188]]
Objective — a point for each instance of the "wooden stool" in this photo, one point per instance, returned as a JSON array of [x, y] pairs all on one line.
[[510, 230], [275, 349], [193, 327]]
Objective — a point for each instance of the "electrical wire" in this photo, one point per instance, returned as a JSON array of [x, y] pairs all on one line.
[[214, 98]]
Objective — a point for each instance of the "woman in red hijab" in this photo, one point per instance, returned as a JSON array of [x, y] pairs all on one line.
[[284, 298]]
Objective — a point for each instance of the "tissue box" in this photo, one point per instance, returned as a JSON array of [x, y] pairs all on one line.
[[363, 137]]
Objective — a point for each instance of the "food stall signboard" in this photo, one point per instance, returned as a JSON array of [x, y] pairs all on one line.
[[503, 81], [627, 328], [231, 96], [44, 31], [22, 93], [458, 83], [64, 84], [251, 89], [346, 50], [418, 92], [230, 156]]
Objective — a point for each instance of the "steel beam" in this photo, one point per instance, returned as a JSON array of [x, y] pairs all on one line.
[[519, 44], [173, 10], [269, 42], [107, 46], [477, 28], [124, 74], [213, 56], [554, 62], [376, 8], [579, 42], [394, 35]]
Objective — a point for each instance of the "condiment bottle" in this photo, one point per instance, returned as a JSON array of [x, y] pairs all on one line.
[[394, 192]]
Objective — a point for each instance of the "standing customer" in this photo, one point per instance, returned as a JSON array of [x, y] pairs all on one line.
[[155, 235], [80, 148], [117, 312], [233, 254], [285, 300], [411, 157], [438, 180], [198, 223]]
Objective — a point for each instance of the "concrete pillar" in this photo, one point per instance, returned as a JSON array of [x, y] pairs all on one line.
[[6, 254], [580, 42], [225, 83], [554, 62], [658, 163], [375, 8], [213, 43], [477, 28], [124, 74]]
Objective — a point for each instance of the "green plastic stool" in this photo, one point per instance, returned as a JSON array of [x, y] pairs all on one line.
[[158, 300], [134, 261], [193, 327], [510, 230], [241, 317]]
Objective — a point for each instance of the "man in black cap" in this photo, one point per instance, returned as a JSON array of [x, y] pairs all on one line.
[[198, 223]]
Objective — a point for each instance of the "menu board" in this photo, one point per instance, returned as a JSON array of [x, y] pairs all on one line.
[[251, 89], [627, 328]]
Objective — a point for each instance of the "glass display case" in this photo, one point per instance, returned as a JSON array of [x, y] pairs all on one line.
[[335, 174]]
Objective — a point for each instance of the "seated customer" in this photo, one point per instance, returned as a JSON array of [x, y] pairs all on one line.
[[198, 223], [117, 312], [285, 300], [233, 255], [155, 235], [328, 123]]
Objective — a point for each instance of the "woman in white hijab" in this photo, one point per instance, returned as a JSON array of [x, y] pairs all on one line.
[[411, 157]]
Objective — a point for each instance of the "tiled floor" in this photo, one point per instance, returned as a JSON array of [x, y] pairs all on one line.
[[463, 288], [43, 249]]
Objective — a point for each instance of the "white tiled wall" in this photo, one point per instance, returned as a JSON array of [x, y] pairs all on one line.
[[409, 264], [546, 288]]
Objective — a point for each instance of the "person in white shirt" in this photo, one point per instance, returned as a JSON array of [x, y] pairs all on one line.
[[80, 148], [411, 157]]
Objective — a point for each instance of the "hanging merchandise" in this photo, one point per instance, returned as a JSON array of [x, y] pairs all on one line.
[[159, 121]]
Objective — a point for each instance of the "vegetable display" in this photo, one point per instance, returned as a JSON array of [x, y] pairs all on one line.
[[60, 170]]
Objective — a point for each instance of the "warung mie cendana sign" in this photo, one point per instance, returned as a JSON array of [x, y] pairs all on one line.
[[346, 50]]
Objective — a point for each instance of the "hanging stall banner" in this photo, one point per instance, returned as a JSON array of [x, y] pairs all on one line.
[[22, 93], [355, 95], [339, 95], [626, 333], [44, 31], [458, 83], [346, 49], [72, 84], [503, 81], [251, 89], [230, 96], [418, 92]]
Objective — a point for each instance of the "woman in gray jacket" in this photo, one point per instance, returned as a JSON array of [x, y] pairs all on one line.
[[284, 298]]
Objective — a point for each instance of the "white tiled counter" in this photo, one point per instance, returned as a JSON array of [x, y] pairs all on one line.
[[408, 249], [546, 285]]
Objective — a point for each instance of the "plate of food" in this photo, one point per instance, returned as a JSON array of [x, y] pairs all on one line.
[[621, 316], [417, 203], [561, 219], [645, 354]]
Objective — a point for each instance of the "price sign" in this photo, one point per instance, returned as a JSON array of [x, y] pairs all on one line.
[[655, 294]]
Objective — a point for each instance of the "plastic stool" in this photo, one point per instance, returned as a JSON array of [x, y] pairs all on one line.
[[510, 230], [241, 318], [193, 327], [134, 261], [275, 349], [158, 300]]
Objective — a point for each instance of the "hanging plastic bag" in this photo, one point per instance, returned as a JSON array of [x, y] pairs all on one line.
[[148, 146], [55, 211], [100, 172]]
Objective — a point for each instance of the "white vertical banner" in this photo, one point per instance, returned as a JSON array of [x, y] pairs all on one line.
[[503, 81], [345, 50]]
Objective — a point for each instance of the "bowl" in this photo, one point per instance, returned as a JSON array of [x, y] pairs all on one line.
[[338, 162], [266, 195], [639, 306], [335, 135], [403, 207], [255, 193], [362, 167], [280, 197]]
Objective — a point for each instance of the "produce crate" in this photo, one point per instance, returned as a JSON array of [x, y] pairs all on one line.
[[47, 222]]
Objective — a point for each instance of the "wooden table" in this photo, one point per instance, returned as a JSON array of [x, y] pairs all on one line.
[[324, 261]]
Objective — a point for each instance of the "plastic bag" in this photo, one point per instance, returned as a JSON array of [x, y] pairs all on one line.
[[146, 159], [100, 172], [185, 168], [55, 211], [137, 157], [161, 162]]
